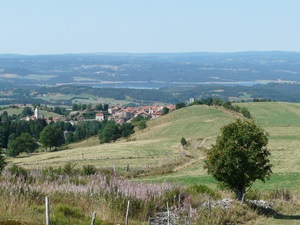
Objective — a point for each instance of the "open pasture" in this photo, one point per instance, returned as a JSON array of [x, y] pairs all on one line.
[[159, 144]]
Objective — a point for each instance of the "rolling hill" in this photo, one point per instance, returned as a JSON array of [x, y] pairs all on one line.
[[159, 144]]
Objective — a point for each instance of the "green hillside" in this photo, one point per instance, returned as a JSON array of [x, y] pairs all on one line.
[[280, 120], [159, 144], [156, 145]]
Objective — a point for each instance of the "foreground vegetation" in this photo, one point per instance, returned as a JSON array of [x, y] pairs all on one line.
[[75, 193]]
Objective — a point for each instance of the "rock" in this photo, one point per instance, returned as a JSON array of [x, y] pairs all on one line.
[[161, 218], [223, 203]]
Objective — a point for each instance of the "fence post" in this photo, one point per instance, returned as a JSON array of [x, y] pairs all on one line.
[[209, 207], [191, 214], [168, 213], [47, 211], [93, 218], [127, 212]]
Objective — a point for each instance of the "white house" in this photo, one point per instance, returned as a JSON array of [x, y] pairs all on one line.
[[100, 117]]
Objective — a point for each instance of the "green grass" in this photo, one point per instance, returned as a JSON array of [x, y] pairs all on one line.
[[159, 144]]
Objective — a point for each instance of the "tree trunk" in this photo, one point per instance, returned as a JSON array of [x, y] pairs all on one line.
[[239, 193]]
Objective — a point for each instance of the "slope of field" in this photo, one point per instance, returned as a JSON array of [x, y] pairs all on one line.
[[158, 144], [282, 122]]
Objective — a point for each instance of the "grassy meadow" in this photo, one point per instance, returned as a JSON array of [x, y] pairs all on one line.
[[158, 147], [159, 144]]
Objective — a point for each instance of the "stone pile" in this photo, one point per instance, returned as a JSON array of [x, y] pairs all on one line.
[[161, 218], [223, 203]]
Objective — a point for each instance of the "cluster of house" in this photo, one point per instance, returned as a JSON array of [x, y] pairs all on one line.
[[125, 114], [117, 113]]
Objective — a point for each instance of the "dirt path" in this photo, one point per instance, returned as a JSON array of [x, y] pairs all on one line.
[[193, 151]]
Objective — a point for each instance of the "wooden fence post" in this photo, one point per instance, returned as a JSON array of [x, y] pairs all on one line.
[[127, 212], [209, 207], [190, 214], [47, 211], [168, 213], [94, 218]]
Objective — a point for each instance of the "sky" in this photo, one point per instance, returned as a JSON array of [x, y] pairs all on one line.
[[148, 26]]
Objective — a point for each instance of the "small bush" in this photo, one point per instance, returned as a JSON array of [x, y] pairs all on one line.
[[183, 141], [68, 168], [89, 170], [18, 171]]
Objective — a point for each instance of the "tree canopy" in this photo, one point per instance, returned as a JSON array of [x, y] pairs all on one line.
[[239, 157], [110, 132], [24, 143], [51, 136], [27, 111]]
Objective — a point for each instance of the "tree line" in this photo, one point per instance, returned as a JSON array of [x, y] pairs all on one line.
[[227, 105], [18, 136]]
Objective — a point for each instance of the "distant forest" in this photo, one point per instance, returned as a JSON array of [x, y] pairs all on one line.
[[271, 91]]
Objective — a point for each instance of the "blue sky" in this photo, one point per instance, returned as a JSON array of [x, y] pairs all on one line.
[[146, 26]]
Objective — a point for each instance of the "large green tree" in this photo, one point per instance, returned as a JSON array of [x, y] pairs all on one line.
[[239, 157], [27, 111], [51, 136], [126, 129], [110, 132], [24, 143]]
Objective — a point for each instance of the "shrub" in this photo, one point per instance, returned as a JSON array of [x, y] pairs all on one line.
[[69, 168], [89, 170], [183, 141], [18, 171]]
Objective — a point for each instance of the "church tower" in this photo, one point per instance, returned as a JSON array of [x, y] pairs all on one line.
[[36, 113]]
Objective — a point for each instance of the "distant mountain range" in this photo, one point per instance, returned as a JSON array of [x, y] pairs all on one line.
[[150, 70]]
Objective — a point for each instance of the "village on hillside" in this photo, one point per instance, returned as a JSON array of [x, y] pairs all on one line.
[[119, 114]]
